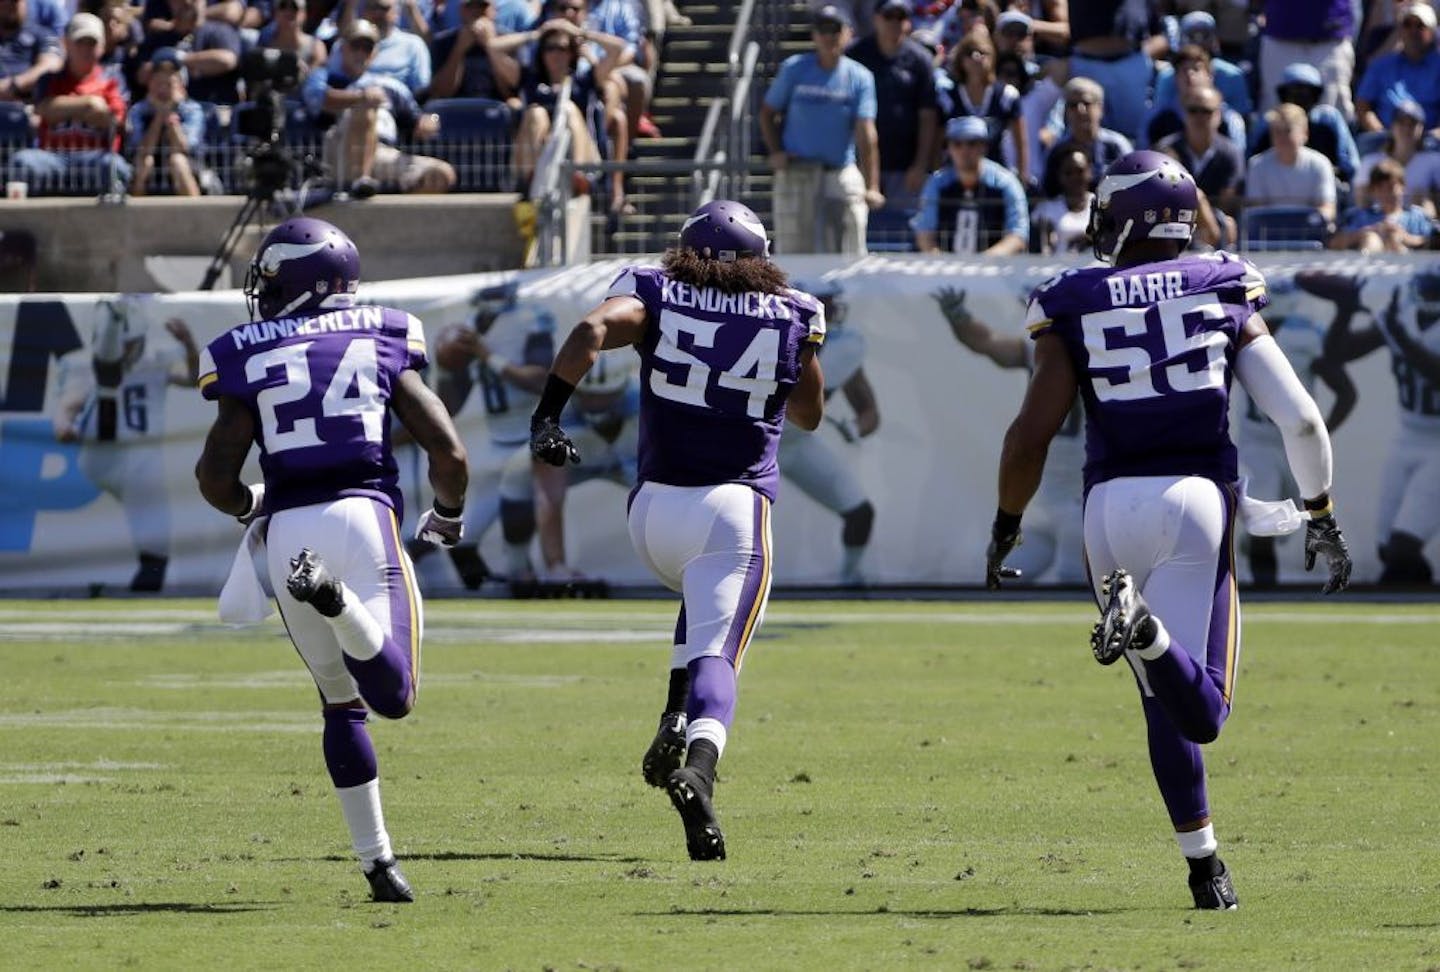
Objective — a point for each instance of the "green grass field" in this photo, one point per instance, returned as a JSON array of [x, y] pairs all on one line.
[[943, 786]]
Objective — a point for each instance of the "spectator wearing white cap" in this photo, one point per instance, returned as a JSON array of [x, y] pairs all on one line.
[[1314, 32], [81, 109], [818, 122], [1198, 28], [1302, 85], [1405, 145], [972, 205], [1411, 73]]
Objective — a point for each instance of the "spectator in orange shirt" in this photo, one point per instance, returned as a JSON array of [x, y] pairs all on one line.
[[81, 110]]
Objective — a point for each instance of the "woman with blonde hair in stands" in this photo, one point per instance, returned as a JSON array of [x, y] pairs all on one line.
[[976, 91]]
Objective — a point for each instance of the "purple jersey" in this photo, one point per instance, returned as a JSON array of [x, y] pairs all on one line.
[[1154, 351], [318, 385], [715, 372]]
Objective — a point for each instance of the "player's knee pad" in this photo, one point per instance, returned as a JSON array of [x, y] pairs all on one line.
[[517, 520], [857, 525]]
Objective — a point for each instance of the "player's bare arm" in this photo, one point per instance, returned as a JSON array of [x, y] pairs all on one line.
[[861, 396], [617, 322], [425, 418], [1048, 400], [806, 406], [226, 446]]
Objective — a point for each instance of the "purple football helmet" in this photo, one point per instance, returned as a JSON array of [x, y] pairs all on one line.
[[1144, 196], [725, 231], [300, 263]]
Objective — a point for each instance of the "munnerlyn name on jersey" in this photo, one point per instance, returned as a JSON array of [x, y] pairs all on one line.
[[753, 304], [342, 319]]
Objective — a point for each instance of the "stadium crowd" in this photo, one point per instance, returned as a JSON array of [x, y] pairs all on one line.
[[974, 126], [109, 98]]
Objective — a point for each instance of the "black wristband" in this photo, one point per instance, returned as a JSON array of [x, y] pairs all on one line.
[[449, 512], [552, 400], [1006, 524], [1321, 505]]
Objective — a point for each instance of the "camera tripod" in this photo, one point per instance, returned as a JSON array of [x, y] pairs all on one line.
[[271, 168]]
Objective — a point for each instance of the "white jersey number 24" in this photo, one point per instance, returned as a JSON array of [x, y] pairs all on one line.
[[357, 369]]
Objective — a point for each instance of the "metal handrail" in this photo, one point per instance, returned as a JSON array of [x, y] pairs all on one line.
[[702, 144], [737, 40], [548, 190]]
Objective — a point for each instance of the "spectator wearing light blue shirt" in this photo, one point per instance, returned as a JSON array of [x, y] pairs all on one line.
[[973, 205], [1409, 74], [817, 119]]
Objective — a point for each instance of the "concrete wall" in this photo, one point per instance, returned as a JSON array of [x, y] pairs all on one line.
[[85, 245]]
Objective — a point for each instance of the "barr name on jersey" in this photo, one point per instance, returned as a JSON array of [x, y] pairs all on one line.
[[343, 319], [1145, 288], [772, 306]]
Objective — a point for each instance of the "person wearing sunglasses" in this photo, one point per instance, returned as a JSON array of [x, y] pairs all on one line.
[[1216, 162]]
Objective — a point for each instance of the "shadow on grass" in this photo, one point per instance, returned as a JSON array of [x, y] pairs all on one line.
[[556, 857], [881, 912], [143, 908]]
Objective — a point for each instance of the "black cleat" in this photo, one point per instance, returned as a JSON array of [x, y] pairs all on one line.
[[1123, 613], [387, 883], [311, 583], [666, 751], [1214, 893], [690, 793]]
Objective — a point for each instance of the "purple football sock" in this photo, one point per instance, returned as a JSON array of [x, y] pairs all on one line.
[[712, 690], [1179, 767], [349, 755]]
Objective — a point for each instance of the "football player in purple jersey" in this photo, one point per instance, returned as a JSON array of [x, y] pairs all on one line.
[[314, 381], [1151, 343], [727, 352]]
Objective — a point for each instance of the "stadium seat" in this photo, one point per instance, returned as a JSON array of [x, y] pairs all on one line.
[[888, 231], [476, 137], [1367, 142], [1283, 228]]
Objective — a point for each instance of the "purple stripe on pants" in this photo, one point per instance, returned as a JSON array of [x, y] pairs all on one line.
[[387, 681], [754, 588]]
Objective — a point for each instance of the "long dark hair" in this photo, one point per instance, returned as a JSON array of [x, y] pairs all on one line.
[[545, 37], [743, 276]]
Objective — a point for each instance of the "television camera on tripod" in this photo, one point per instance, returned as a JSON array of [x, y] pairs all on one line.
[[270, 167]]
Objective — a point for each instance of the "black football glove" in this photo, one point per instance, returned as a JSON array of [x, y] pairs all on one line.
[[1000, 547], [1322, 537], [549, 443]]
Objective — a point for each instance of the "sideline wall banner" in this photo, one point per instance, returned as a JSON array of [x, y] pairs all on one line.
[[915, 419]]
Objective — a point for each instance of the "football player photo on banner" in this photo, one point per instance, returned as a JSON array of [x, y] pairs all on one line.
[[925, 361]]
